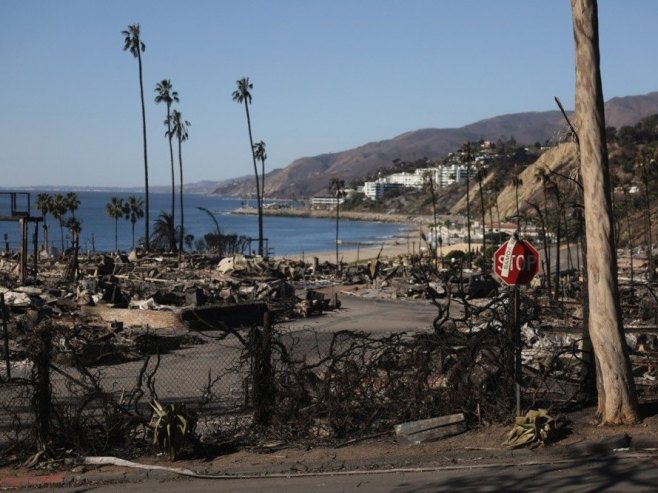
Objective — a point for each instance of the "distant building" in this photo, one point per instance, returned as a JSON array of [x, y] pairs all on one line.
[[453, 173], [326, 202], [375, 190]]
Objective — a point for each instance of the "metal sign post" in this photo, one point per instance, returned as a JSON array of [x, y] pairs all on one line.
[[516, 262]]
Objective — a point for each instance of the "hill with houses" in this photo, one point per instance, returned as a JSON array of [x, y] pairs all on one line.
[[310, 176]]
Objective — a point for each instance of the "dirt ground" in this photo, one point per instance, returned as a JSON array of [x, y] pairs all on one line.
[[481, 445]]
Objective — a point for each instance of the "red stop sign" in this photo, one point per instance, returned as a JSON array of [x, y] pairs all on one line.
[[516, 262]]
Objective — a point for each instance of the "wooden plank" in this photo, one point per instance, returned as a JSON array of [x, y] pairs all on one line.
[[427, 430]]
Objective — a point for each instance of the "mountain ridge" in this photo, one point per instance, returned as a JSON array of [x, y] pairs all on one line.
[[310, 175]]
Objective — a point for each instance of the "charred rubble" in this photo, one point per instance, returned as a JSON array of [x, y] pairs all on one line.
[[140, 320]]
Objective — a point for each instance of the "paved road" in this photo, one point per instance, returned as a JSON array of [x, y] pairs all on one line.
[[373, 315], [615, 473]]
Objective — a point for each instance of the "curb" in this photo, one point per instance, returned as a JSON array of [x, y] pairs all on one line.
[[27, 481]]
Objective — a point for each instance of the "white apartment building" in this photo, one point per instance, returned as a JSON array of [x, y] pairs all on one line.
[[453, 173], [375, 190], [325, 202], [414, 180]]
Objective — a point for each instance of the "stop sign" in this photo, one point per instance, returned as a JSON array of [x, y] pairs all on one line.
[[516, 262]]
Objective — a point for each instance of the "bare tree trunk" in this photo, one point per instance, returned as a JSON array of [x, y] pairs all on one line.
[[617, 397], [484, 223]]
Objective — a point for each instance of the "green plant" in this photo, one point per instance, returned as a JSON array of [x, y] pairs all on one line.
[[534, 429], [172, 425]]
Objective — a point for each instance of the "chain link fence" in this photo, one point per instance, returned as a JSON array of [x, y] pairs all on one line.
[[79, 388]]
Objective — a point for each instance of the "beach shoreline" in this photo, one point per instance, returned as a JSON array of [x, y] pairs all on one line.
[[410, 244], [387, 249], [418, 220]]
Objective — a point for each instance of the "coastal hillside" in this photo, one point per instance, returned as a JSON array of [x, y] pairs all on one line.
[[561, 159], [309, 176]]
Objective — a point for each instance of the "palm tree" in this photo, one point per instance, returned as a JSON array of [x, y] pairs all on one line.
[[44, 204], [178, 127], [243, 95], [134, 44], [57, 209], [71, 202], [259, 153], [72, 272], [166, 94], [161, 238], [116, 209], [214, 219], [337, 189], [135, 208]]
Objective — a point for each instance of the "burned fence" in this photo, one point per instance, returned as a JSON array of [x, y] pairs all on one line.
[[89, 388], [85, 387]]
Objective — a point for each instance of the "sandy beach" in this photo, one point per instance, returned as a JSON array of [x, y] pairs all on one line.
[[391, 248], [411, 243]]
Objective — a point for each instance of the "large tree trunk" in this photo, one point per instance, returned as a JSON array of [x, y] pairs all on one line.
[[617, 397]]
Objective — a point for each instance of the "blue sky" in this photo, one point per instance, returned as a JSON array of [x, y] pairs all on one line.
[[327, 76]]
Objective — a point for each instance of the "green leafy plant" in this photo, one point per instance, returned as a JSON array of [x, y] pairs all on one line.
[[534, 429], [173, 425]]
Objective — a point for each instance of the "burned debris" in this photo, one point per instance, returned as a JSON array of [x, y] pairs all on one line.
[[220, 336]]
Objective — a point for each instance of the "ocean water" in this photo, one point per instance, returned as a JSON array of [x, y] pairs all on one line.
[[286, 235]]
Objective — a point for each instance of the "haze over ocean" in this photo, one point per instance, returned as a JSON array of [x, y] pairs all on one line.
[[287, 235]]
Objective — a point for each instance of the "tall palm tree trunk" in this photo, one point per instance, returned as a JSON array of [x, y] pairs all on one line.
[[617, 398], [258, 193], [173, 184], [338, 271], [182, 217], [45, 237], [116, 234], [61, 234], [146, 166], [468, 213], [262, 182]]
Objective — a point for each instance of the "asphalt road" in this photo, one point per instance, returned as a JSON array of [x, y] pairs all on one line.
[[619, 473], [372, 315]]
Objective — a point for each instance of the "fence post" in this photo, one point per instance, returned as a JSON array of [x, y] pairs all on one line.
[[42, 397], [263, 382], [3, 309]]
